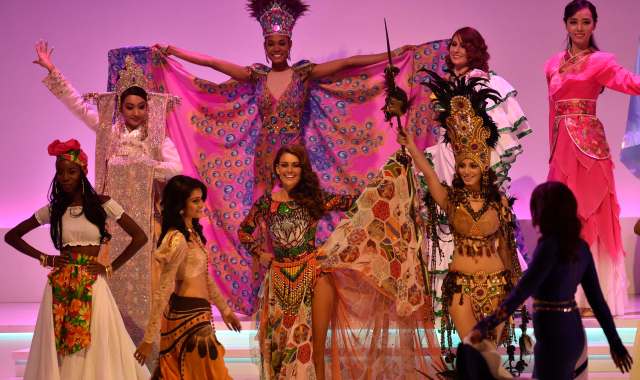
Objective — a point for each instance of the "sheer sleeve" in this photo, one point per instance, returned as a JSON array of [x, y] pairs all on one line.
[[113, 209], [170, 164], [64, 91], [616, 77], [339, 202], [43, 215], [252, 222], [168, 256], [216, 297]]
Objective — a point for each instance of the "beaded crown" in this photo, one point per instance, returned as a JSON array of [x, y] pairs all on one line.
[[461, 104], [131, 75], [277, 16]]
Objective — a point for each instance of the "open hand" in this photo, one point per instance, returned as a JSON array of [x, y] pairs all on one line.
[[143, 350], [231, 320], [43, 55], [622, 359]]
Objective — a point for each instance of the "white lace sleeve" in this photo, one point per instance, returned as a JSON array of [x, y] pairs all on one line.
[[113, 209], [64, 91]]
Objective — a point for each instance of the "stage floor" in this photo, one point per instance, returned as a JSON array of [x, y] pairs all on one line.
[[17, 321]]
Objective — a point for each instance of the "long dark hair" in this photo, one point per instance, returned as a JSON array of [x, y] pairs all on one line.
[[572, 8], [174, 199], [307, 192], [133, 90], [554, 210], [488, 185], [473, 43], [92, 209]]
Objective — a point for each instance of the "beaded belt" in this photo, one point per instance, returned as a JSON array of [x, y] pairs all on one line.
[[557, 306]]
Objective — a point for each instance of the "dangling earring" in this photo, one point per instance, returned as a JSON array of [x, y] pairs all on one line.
[[83, 188], [485, 183]]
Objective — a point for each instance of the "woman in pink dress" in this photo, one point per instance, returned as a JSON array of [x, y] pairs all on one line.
[[580, 155]]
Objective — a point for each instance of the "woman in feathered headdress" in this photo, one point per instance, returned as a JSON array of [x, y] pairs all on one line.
[[282, 89], [484, 265]]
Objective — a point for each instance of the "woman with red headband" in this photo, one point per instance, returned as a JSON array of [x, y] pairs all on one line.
[[79, 333]]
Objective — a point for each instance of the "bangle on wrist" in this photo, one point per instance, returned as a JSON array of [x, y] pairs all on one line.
[[108, 271]]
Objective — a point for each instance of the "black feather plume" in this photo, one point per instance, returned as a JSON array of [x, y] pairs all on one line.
[[295, 8], [475, 89]]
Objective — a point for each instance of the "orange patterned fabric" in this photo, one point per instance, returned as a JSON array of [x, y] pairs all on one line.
[[71, 288], [189, 349]]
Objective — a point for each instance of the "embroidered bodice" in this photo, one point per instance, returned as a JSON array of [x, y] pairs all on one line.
[[126, 145], [77, 230], [284, 114], [291, 229], [179, 260]]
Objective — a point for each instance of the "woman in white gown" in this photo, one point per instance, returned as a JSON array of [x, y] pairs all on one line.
[[79, 333]]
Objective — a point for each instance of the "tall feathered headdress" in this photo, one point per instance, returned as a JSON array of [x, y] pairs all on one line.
[[277, 16], [462, 107]]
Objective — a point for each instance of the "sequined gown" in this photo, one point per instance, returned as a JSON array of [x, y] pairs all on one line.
[[580, 158], [281, 118], [131, 166], [284, 328]]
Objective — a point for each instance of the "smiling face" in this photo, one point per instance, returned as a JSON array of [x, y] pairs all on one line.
[[289, 170], [68, 175], [277, 47], [458, 53], [580, 27], [194, 205], [470, 173], [134, 111]]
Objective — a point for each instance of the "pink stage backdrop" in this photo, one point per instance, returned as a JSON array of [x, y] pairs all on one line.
[[521, 35]]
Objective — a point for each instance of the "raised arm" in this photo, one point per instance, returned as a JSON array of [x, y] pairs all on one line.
[[62, 89], [329, 68], [237, 72], [436, 189]]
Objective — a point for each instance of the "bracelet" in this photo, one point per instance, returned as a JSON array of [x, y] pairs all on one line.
[[108, 271], [53, 264], [43, 260]]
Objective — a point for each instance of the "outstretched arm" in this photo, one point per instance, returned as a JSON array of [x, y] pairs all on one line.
[[329, 68], [237, 72]]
